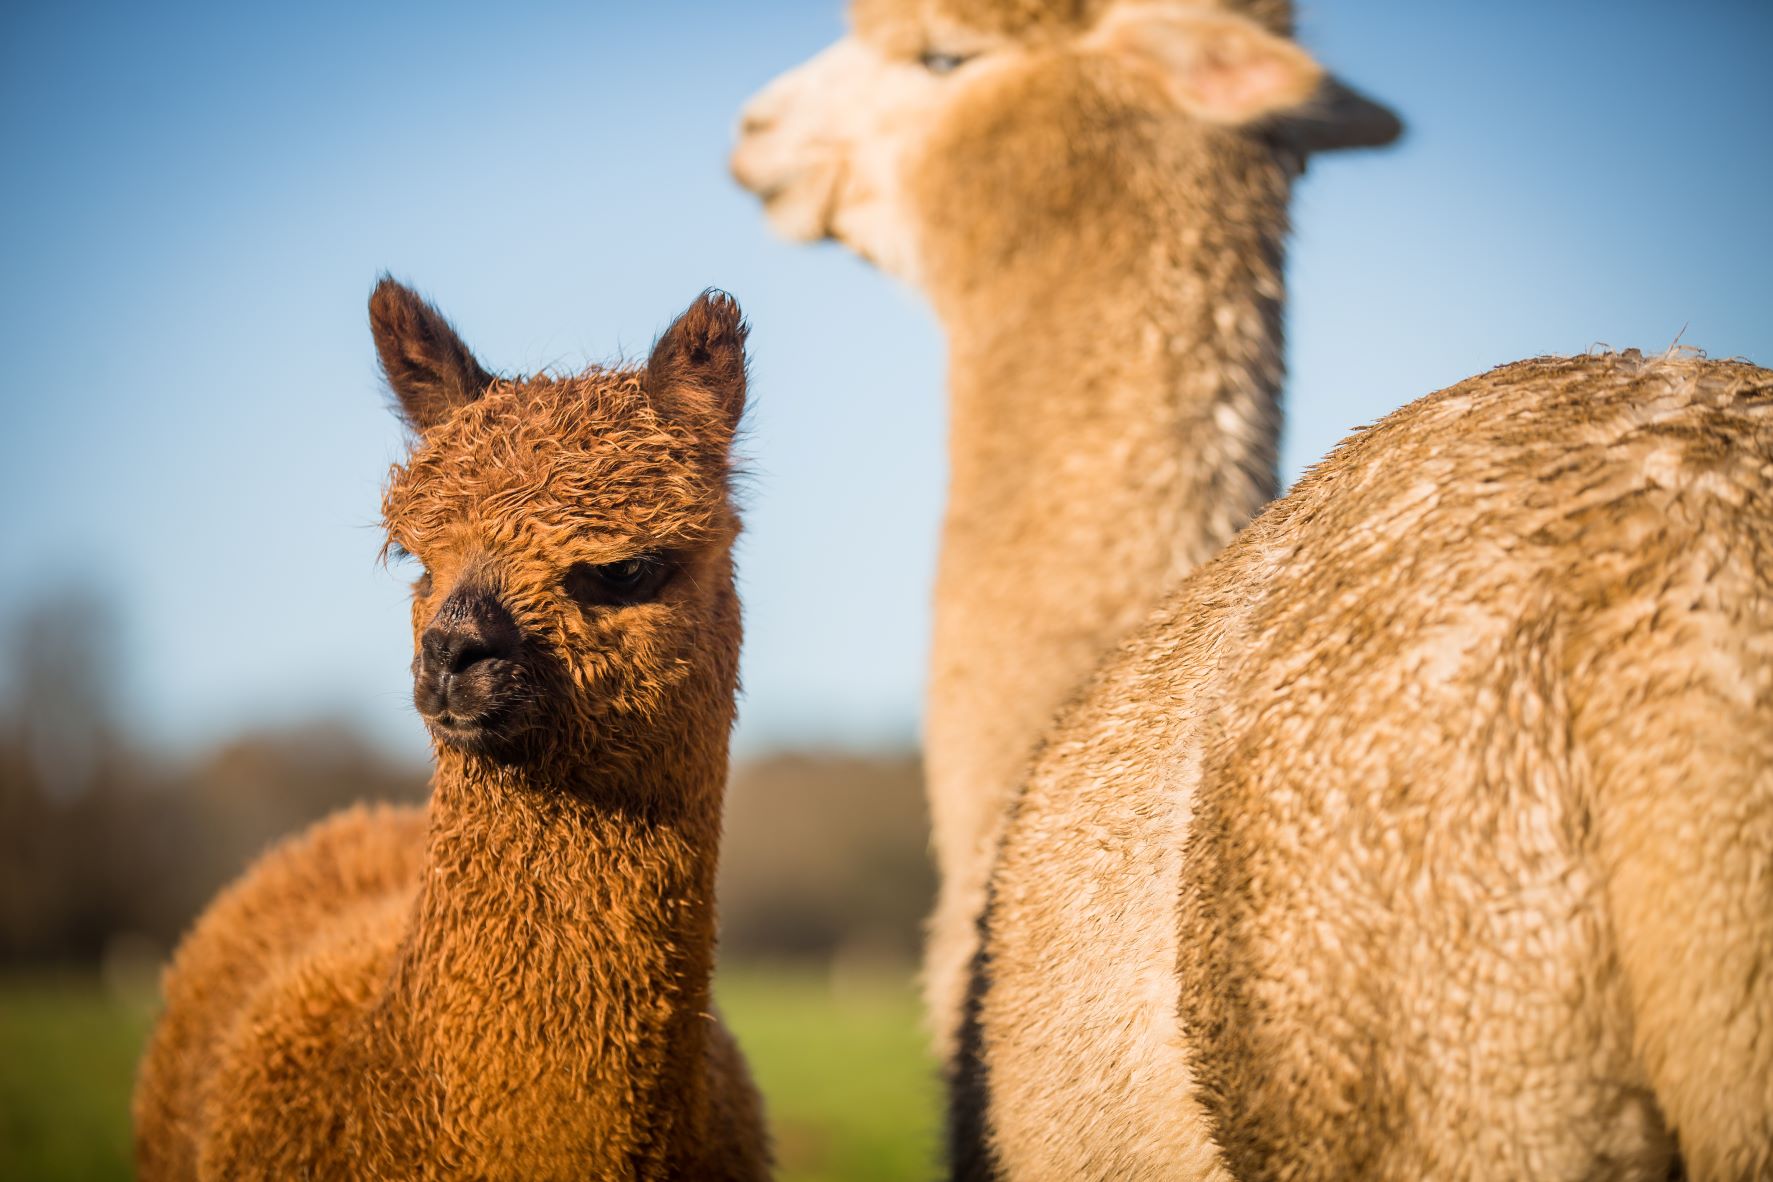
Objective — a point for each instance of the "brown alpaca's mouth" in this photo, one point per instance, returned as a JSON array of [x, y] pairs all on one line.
[[473, 736], [470, 675], [481, 710], [495, 732]]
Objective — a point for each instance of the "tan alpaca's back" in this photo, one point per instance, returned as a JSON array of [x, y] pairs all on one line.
[[1427, 831]]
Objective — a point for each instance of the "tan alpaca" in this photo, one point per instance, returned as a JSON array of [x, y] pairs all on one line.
[[1094, 198], [513, 984], [1427, 831]]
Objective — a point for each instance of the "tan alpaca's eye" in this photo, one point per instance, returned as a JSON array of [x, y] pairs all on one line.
[[937, 62], [614, 584]]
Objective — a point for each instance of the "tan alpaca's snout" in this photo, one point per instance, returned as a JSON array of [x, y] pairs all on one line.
[[820, 147], [788, 155], [469, 675]]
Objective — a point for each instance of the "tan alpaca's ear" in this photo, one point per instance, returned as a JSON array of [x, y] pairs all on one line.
[[697, 369], [428, 367], [1338, 116], [1223, 68]]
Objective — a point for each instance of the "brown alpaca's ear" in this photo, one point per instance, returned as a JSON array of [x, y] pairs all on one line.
[[428, 367], [1223, 68], [697, 369]]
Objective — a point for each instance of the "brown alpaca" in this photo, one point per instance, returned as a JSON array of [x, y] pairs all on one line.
[[1093, 196], [1427, 831], [514, 983]]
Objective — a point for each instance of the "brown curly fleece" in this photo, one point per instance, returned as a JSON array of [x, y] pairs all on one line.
[[513, 983]]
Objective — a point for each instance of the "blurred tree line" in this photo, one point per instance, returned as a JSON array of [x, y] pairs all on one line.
[[107, 850]]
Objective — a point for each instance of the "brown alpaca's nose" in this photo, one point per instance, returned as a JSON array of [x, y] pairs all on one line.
[[474, 632], [465, 674]]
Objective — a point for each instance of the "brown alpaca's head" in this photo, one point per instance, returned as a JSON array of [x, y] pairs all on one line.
[[943, 119], [576, 599]]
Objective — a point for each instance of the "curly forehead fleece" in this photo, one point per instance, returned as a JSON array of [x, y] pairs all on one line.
[[588, 456]]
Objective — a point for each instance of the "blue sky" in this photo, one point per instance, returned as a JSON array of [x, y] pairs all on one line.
[[197, 199]]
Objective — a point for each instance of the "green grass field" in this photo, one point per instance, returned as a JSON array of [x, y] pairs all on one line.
[[67, 1059], [852, 1096]]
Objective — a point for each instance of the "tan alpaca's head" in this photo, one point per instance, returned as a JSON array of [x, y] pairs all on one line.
[[574, 534], [937, 110]]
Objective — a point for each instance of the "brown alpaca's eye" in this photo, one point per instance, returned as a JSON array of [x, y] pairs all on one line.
[[613, 584]]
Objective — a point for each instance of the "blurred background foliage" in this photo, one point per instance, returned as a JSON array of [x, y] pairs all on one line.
[[108, 849]]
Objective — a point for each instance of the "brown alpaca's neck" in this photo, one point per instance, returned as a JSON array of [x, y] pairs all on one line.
[[1114, 402], [559, 958]]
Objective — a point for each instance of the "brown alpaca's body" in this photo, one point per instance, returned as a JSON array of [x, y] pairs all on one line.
[[1426, 831], [513, 983], [1102, 237]]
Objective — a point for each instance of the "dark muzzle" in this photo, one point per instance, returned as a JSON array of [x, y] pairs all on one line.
[[467, 677]]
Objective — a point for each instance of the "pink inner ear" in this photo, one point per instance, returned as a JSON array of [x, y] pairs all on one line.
[[1235, 91], [1218, 66]]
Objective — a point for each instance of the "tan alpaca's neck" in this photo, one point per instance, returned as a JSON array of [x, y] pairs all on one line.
[[1114, 421], [1114, 418], [560, 954], [1148, 407]]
